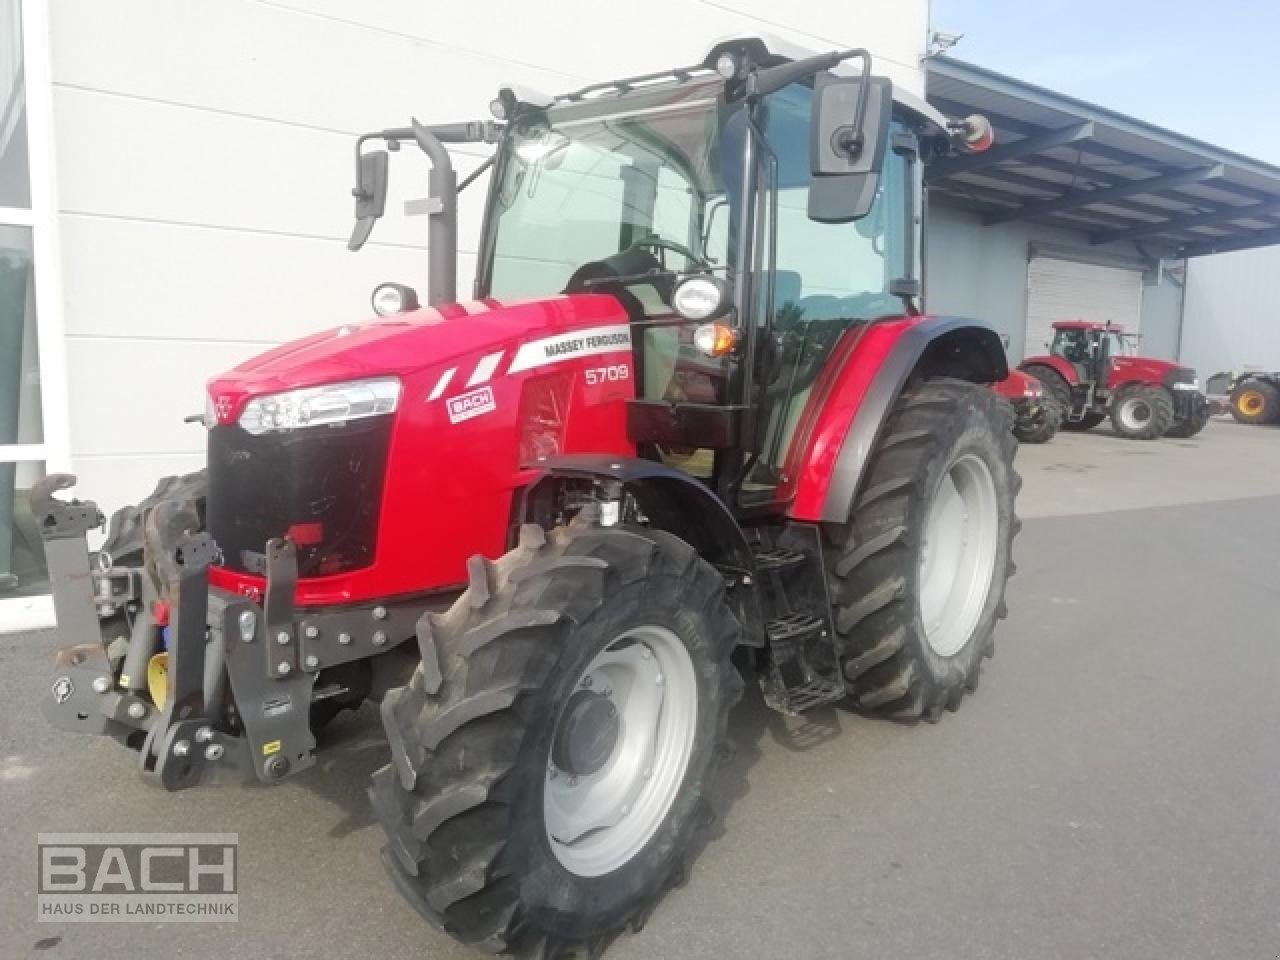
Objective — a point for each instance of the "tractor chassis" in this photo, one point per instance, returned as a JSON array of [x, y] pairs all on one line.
[[243, 675], [271, 654]]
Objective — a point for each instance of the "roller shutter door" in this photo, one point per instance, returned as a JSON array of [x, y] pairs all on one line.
[[1066, 290]]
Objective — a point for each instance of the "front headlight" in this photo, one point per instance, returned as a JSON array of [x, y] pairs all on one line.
[[1188, 385], [328, 405]]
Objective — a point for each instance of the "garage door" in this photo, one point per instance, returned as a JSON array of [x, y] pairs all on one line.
[[1065, 290]]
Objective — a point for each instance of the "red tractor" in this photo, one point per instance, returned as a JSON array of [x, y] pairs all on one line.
[[1037, 412], [474, 512], [1092, 371]]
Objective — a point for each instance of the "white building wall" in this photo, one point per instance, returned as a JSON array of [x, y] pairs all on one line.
[[205, 160], [1232, 314]]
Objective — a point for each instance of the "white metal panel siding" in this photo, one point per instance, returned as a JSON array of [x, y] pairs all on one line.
[[1232, 315], [1066, 290], [204, 166]]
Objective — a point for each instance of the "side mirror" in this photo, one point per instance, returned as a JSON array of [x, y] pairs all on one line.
[[371, 195], [848, 135]]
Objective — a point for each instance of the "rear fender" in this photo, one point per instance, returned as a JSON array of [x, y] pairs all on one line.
[[868, 371], [671, 500]]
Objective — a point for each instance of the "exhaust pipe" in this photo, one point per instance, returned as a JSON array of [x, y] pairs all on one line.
[[442, 228]]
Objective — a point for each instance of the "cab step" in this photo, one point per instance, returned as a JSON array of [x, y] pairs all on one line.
[[771, 559]]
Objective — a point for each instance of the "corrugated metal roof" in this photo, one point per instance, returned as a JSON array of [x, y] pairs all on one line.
[[1061, 160]]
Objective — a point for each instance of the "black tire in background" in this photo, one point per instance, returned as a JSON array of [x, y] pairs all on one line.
[[124, 541], [1087, 422], [1255, 401], [462, 802], [1190, 426], [1141, 411], [875, 570], [1056, 385], [125, 546], [1042, 426]]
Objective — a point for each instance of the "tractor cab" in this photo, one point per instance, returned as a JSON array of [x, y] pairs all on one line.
[[747, 212], [1091, 348], [703, 214]]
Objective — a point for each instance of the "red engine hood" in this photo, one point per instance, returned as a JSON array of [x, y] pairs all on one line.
[[404, 344]]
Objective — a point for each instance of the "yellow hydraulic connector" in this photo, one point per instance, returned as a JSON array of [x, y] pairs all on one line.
[[158, 679]]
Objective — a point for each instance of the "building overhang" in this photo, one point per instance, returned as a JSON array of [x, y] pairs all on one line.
[[1072, 164]]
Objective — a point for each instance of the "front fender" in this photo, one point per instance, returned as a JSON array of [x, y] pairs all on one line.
[[847, 408], [673, 501]]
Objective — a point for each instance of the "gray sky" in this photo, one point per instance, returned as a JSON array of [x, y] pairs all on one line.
[[1208, 70]]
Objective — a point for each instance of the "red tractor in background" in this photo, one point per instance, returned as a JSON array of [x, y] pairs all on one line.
[[1092, 371], [478, 514], [1037, 412]]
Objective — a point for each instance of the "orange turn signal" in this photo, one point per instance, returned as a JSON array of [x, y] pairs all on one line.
[[715, 339]]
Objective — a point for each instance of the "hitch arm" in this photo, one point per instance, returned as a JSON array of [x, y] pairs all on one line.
[[64, 527]]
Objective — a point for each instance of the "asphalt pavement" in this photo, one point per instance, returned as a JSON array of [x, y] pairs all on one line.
[[1112, 790]]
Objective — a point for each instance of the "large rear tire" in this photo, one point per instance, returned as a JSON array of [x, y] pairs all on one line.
[[1142, 411], [918, 573], [504, 827], [1055, 384], [1255, 401]]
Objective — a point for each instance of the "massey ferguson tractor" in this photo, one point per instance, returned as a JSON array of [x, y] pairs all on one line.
[[1091, 370], [691, 427]]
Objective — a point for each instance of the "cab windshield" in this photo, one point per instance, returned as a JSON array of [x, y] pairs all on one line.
[[581, 185], [586, 181]]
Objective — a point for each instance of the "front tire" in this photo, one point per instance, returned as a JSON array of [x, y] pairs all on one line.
[[1043, 426], [502, 727], [919, 571], [1142, 411], [1193, 424], [1087, 422]]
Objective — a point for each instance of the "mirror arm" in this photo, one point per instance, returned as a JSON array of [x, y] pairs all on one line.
[[761, 83]]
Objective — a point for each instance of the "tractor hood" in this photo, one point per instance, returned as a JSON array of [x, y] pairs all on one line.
[[392, 499], [408, 345]]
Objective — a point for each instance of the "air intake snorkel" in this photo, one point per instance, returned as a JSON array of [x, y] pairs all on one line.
[[441, 204]]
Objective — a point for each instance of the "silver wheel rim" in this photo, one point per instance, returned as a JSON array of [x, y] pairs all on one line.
[[958, 555], [598, 822], [1135, 413]]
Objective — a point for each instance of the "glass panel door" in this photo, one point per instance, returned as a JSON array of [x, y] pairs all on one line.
[[23, 438]]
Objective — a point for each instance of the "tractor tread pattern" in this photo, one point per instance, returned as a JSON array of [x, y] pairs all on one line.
[[445, 800], [1157, 399], [1190, 426], [1267, 390], [878, 634]]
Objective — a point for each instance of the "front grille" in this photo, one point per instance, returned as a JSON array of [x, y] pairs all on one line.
[[321, 487]]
